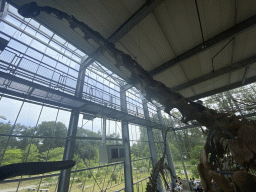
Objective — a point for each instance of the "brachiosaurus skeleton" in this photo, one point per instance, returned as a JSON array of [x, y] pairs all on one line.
[[242, 150]]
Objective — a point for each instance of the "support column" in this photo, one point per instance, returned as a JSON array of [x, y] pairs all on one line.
[[126, 143], [151, 143], [104, 130], [168, 152], [181, 157], [72, 130]]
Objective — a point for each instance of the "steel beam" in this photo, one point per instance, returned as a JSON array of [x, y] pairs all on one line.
[[126, 143], [151, 144], [138, 16], [235, 30], [168, 153], [224, 88], [127, 86], [86, 106], [224, 70]]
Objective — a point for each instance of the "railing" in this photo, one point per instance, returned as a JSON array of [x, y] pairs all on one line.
[[140, 182], [36, 71], [22, 65]]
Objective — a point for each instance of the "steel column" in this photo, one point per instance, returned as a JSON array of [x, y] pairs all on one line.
[[168, 151], [182, 161], [69, 151], [72, 130], [151, 143], [104, 119], [126, 143]]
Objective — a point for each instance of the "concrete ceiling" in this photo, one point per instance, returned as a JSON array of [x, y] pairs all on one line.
[[170, 34]]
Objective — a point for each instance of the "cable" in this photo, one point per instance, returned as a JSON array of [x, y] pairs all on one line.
[[200, 23], [220, 51]]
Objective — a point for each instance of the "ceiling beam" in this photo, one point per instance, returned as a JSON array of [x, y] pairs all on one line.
[[224, 88], [219, 72], [127, 86], [235, 30], [138, 16]]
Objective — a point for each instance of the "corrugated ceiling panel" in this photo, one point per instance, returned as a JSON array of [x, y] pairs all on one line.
[[157, 39], [139, 45], [245, 9], [206, 62], [187, 92], [216, 16], [163, 16], [251, 71], [211, 84], [138, 55], [117, 9], [172, 77], [223, 59], [245, 45], [101, 20], [181, 34], [240, 44], [133, 5], [250, 47], [236, 76], [192, 67]]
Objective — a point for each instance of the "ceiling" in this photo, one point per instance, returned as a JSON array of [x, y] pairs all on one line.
[[165, 38]]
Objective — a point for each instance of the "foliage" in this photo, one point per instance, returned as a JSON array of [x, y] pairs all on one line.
[[31, 153], [12, 156], [55, 154], [114, 177], [194, 171], [51, 129], [89, 175]]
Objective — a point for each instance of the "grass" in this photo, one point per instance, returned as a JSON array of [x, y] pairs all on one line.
[[104, 180]]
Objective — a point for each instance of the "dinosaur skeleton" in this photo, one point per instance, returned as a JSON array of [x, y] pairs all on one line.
[[159, 168], [242, 149]]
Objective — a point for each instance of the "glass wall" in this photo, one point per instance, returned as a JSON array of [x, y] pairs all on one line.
[[34, 120]]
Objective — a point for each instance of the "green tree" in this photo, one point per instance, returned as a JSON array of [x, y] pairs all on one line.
[[12, 156], [55, 154], [85, 148], [51, 129], [31, 154]]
